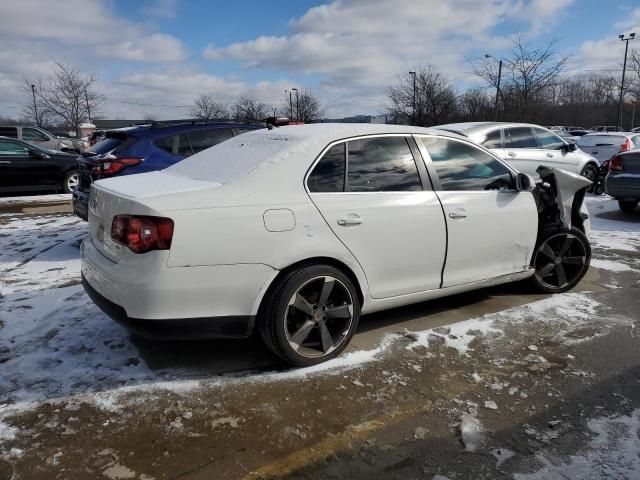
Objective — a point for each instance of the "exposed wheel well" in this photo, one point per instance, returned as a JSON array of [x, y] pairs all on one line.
[[314, 261]]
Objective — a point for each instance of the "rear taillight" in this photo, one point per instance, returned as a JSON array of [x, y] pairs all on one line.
[[114, 165], [626, 146], [616, 164], [142, 233]]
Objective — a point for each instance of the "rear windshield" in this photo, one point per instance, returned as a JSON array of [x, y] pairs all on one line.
[[232, 158], [593, 140], [112, 144]]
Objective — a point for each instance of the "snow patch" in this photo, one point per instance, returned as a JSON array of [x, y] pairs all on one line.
[[610, 265], [471, 432]]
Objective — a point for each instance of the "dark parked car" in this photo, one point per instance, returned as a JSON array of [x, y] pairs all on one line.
[[146, 148], [623, 181], [25, 167]]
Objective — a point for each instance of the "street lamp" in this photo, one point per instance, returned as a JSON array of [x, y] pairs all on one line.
[[297, 105], [413, 109], [486, 55], [35, 106], [624, 67], [290, 105]]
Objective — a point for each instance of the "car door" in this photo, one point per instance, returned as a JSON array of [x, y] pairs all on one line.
[[38, 138], [556, 153], [521, 150], [17, 170], [373, 197], [492, 228]]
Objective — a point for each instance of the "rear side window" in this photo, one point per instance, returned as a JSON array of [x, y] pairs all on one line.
[[11, 132], [383, 164], [165, 143], [328, 174], [548, 140], [519, 137], [208, 138], [493, 139], [463, 167]]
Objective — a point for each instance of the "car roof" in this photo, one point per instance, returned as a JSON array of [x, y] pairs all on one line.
[[330, 132], [472, 128], [183, 126]]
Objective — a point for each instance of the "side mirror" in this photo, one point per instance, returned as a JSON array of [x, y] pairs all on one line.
[[38, 154], [570, 147], [524, 182]]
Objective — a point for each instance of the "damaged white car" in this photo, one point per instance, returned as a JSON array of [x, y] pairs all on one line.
[[297, 231]]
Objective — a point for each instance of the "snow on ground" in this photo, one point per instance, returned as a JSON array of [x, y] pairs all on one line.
[[612, 453], [52, 198]]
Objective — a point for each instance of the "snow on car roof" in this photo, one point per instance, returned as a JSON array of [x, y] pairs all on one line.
[[243, 154]]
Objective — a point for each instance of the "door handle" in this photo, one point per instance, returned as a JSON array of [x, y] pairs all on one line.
[[549, 154], [511, 154], [350, 220], [458, 214]]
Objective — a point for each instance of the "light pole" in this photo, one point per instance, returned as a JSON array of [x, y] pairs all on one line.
[[290, 105], [297, 105], [35, 106], [486, 55], [86, 99], [413, 108], [624, 67]]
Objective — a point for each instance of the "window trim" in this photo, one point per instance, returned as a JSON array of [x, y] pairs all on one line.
[[407, 136], [432, 169]]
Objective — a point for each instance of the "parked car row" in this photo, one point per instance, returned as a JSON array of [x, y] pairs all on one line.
[[43, 139]]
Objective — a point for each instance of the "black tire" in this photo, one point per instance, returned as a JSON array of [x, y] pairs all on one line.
[[599, 190], [68, 183], [627, 206], [280, 320], [561, 259], [590, 172]]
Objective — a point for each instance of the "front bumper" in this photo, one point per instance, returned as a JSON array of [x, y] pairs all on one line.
[[156, 301], [80, 202]]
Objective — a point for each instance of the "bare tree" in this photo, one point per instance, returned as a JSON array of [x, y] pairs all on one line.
[[206, 108], [249, 108], [435, 100], [528, 74], [68, 96], [475, 104], [306, 107]]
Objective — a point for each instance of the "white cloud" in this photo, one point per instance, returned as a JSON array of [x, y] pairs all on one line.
[[161, 8], [152, 48]]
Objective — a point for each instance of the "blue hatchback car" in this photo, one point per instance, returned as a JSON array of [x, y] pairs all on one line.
[[146, 148]]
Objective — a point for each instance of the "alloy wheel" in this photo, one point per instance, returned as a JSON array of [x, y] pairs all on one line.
[[560, 260], [319, 317], [72, 182]]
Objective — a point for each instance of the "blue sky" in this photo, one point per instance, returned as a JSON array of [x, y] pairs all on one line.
[[154, 56]]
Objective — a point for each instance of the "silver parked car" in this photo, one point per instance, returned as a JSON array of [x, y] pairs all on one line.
[[41, 138], [604, 145], [526, 147], [623, 180]]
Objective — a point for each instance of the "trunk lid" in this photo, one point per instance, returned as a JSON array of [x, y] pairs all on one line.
[[602, 147], [103, 206]]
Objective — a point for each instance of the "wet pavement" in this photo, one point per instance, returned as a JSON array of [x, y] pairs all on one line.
[[498, 383]]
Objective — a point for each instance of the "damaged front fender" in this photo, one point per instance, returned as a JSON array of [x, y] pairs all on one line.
[[560, 198]]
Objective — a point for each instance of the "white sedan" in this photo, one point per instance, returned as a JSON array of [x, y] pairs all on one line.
[[297, 231]]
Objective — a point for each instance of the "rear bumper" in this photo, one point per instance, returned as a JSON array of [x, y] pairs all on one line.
[[238, 326], [80, 202], [156, 301], [623, 186]]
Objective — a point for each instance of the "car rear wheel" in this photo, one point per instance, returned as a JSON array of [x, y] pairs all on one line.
[[590, 172], [310, 315], [627, 206], [560, 260], [70, 181]]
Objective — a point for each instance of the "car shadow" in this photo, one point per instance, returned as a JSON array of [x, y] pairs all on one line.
[[620, 216]]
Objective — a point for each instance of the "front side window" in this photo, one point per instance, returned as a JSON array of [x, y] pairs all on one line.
[[33, 135], [13, 149], [548, 140], [493, 139], [383, 164], [328, 174], [462, 167], [519, 137], [208, 138]]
